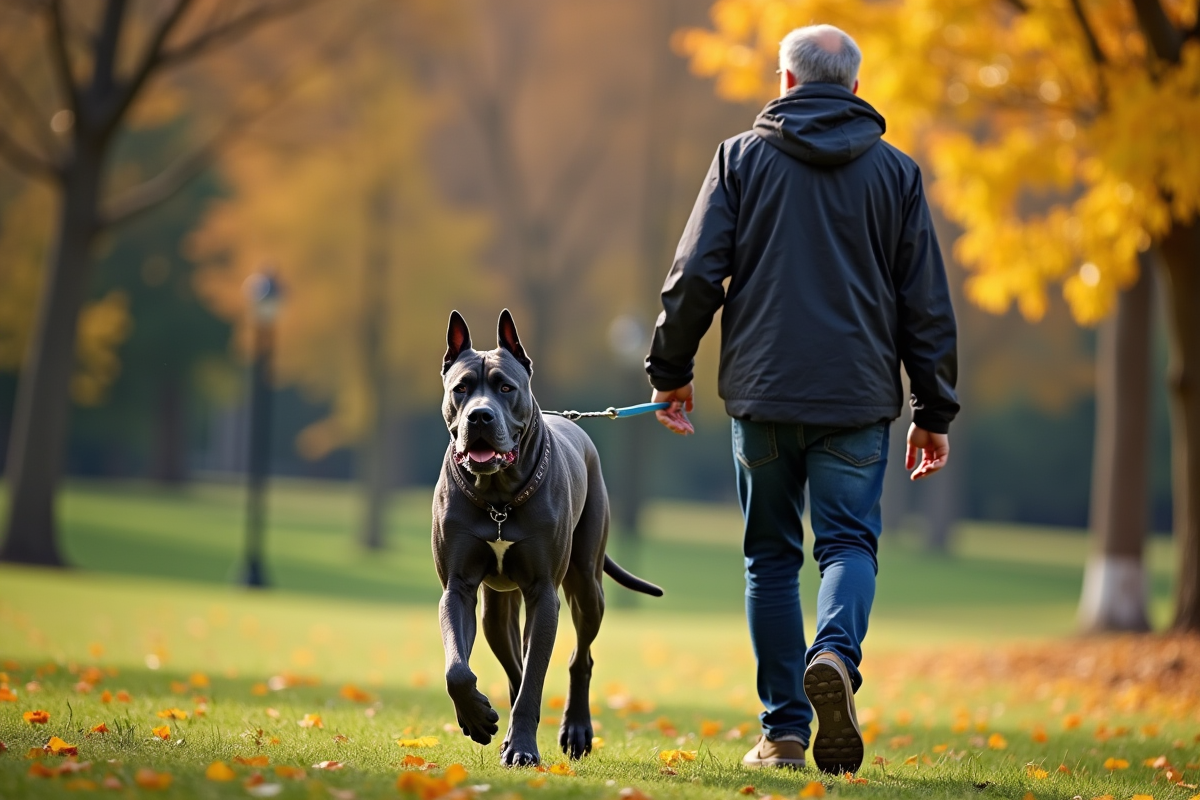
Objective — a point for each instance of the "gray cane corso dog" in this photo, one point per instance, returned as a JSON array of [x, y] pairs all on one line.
[[519, 510]]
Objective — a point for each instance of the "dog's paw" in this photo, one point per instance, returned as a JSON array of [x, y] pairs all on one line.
[[575, 738], [476, 716], [520, 755]]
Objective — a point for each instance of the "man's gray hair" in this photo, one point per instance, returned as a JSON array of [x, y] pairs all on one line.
[[820, 54]]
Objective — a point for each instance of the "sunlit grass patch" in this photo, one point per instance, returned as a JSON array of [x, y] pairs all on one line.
[[290, 696]]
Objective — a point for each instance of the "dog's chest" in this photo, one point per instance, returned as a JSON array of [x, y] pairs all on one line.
[[500, 547]]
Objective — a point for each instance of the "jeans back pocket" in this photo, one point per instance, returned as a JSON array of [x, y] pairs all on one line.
[[858, 446], [754, 443]]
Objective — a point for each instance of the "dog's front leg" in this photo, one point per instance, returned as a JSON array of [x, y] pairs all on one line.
[[541, 625], [476, 716]]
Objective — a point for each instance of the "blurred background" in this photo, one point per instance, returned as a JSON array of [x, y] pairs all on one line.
[[231, 234]]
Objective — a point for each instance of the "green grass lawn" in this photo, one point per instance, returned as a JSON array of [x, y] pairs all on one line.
[[154, 612]]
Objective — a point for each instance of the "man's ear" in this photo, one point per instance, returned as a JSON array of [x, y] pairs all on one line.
[[458, 338], [506, 337]]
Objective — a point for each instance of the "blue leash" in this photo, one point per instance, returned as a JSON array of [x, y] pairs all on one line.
[[612, 413]]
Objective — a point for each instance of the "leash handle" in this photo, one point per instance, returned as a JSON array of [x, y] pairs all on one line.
[[611, 412]]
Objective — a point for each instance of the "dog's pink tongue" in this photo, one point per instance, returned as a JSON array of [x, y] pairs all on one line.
[[482, 455]]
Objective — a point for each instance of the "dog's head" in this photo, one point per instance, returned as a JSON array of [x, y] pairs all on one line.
[[487, 404]]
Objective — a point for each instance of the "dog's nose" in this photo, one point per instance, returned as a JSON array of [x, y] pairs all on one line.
[[481, 415]]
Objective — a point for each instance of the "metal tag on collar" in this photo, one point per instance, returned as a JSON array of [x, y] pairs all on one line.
[[499, 516]]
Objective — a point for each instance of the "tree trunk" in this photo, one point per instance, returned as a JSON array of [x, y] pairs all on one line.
[[1114, 583], [170, 433], [42, 409], [1181, 255]]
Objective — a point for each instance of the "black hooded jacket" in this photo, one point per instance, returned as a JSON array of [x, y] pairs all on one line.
[[834, 274]]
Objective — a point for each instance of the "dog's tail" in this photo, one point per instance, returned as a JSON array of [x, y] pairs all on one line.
[[629, 580]]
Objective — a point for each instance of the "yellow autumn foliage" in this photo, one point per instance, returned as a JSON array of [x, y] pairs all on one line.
[[1058, 167], [352, 222]]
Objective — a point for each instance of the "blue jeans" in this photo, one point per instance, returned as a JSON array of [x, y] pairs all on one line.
[[844, 470]]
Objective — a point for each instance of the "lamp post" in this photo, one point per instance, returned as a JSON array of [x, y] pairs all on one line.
[[263, 293]]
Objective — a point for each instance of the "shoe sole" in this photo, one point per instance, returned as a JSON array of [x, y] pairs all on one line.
[[838, 747], [782, 763]]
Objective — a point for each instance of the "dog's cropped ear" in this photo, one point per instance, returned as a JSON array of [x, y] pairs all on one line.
[[506, 337], [458, 338]]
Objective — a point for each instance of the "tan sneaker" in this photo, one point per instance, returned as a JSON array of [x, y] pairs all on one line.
[[766, 753], [838, 746]]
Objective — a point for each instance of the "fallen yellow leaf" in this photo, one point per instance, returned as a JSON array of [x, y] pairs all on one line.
[[562, 768], [311, 721], [1115, 763], [162, 731], [997, 742], [419, 741], [172, 713], [58, 747], [37, 717]]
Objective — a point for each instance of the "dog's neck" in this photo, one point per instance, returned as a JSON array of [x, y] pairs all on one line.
[[499, 488]]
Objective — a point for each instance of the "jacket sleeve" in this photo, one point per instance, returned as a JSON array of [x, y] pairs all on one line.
[[928, 337], [694, 288]]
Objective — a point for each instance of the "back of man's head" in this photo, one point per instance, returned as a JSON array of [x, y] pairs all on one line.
[[820, 54]]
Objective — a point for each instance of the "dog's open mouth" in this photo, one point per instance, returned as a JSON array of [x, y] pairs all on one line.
[[481, 454]]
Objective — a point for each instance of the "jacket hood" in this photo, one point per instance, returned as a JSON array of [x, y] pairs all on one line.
[[823, 124]]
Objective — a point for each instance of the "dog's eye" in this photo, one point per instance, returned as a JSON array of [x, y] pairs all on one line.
[[506, 388], [460, 389]]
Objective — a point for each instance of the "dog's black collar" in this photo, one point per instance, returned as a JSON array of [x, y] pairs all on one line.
[[535, 482]]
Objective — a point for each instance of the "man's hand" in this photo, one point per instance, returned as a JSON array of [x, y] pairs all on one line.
[[935, 452], [675, 418]]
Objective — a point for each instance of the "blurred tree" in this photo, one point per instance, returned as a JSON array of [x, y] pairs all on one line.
[[103, 61], [370, 257], [1061, 141]]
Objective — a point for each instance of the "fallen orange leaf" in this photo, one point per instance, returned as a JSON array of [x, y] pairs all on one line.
[[1115, 763], [412, 761], [1072, 721], [1029, 796], [219, 771], [80, 785], [199, 680], [7, 695], [1064, 769], [290, 772], [1039, 734], [597, 742], [940, 748], [537, 783], [101, 728], [38, 717], [709, 728], [329, 765], [1159, 762], [162, 731], [997, 742], [562, 768], [149, 779], [355, 694], [172, 713], [747, 790], [879, 761], [124, 697], [259, 689], [457, 773], [253, 761], [813, 789], [911, 760], [39, 770], [311, 721], [341, 737]]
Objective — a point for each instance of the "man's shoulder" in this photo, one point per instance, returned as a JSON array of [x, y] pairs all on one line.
[[897, 156], [744, 141]]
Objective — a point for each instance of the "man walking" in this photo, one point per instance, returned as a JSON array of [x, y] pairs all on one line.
[[835, 279]]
